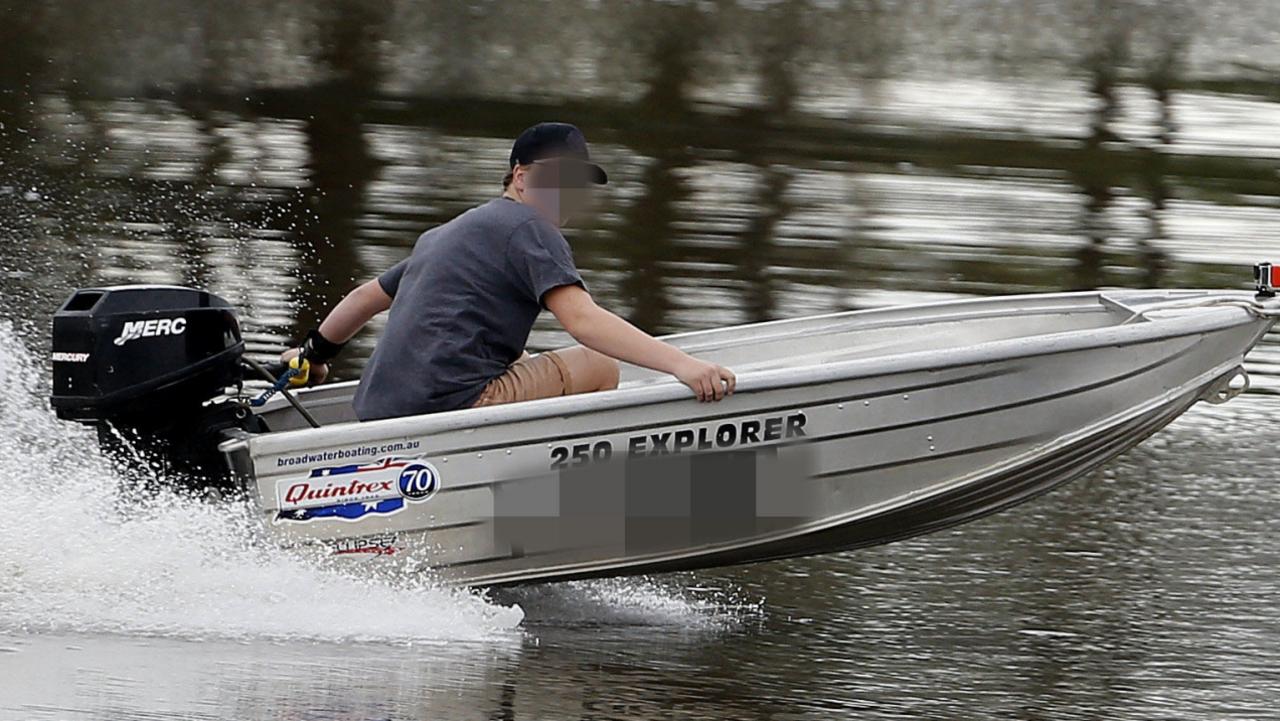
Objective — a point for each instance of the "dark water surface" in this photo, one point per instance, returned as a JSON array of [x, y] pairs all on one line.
[[767, 160]]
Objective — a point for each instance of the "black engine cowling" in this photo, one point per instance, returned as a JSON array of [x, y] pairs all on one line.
[[143, 363], [117, 351]]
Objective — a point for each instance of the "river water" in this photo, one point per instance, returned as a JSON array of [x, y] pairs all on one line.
[[767, 160]]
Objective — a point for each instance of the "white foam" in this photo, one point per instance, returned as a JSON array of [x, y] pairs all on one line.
[[637, 601], [77, 554]]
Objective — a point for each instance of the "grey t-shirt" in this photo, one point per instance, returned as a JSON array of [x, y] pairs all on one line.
[[463, 304]]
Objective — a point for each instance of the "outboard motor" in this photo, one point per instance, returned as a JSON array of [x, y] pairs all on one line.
[[145, 365]]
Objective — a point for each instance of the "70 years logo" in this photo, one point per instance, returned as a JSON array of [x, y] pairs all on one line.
[[350, 493]]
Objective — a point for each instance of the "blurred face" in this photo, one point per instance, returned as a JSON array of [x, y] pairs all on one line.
[[558, 188]]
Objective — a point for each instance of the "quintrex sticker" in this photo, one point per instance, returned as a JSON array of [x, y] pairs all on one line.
[[349, 493]]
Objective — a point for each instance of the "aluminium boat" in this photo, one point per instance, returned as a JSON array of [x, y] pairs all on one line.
[[846, 430]]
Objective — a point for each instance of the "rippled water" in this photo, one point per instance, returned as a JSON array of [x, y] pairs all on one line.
[[766, 160]]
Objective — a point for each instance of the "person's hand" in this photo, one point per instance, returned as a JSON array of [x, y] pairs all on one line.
[[319, 371], [710, 382]]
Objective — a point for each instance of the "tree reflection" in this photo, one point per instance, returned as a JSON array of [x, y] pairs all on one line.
[[341, 164], [781, 88], [1161, 79], [1096, 171], [675, 34]]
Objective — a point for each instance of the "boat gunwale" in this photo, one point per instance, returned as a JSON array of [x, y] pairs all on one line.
[[1207, 320]]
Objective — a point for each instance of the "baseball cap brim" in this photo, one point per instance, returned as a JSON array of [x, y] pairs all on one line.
[[570, 172], [598, 176]]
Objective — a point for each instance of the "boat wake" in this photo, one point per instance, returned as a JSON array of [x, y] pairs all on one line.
[[635, 601], [80, 554]]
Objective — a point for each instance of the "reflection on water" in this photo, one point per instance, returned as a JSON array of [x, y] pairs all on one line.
[[1144, 591], [767, 160]]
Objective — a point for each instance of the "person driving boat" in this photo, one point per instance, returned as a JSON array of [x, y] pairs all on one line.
[[463, 303]]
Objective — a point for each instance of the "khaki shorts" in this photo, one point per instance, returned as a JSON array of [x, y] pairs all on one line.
[[545, 375]]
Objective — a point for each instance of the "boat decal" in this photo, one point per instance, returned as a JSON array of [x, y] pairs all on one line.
[[153, 328], [342, 454], [70, 357], [381, 544], [721, 436], [353, 492]]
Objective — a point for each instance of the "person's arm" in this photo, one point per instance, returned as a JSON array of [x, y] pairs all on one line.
[[354, 311], [346, 319], [603, 331]]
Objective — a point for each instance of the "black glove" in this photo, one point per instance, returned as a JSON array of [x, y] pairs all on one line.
[[318, 349]]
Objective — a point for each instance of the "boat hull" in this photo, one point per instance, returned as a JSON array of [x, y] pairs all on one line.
[[849, 455], [982, 496]]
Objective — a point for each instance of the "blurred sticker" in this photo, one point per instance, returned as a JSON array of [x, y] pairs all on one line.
[[382, 544]]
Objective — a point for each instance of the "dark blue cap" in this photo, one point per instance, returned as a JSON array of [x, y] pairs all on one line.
[[555, 140]]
